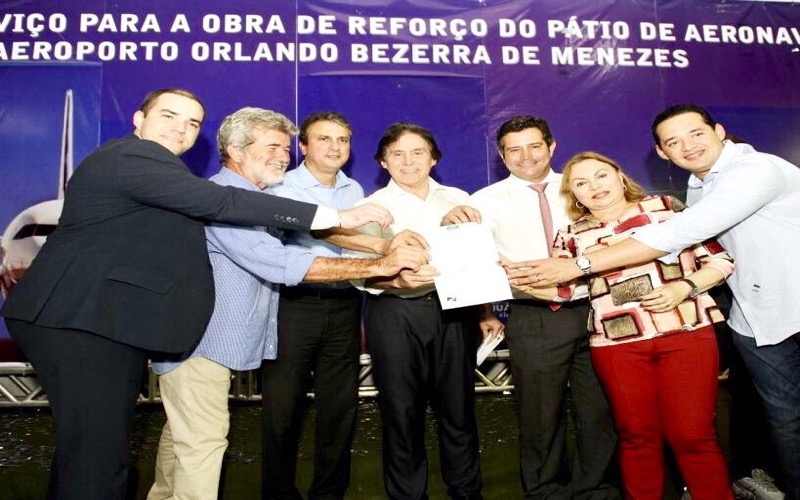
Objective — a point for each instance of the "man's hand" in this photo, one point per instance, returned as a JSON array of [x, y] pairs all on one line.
[[364, 214], [405, 238], [7, 280], [400, 258], [460, 215], [406, 278], [415, 279], [543, 272], [490, 325]]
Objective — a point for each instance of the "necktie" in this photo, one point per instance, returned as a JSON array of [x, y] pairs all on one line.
[[547, 217], [547, 223]]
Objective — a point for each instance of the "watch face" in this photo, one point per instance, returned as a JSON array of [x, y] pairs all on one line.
[[584, 263]]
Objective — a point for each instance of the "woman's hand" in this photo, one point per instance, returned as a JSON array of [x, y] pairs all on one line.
[[666, 298]]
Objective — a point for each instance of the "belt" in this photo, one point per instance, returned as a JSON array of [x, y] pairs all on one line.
[[428, 296], [317, 292], [541, 303]]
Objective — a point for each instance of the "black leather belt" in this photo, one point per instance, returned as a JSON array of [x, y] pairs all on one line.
[[428, 296], [541, 303], [314, 292]]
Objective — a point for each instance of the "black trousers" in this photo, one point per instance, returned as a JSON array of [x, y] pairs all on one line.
[[319, 339], [549, 350], [423, 355], [92, 384]]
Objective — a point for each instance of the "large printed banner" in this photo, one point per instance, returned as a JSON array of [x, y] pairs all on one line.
[[597, 71]]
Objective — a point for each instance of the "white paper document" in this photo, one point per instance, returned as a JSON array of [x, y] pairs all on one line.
[[465, 256], [488, 345]]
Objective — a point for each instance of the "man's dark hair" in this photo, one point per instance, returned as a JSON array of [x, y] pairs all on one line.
[[322, 116], [520, 123], [680, 109], [150, 99], [394, 132]]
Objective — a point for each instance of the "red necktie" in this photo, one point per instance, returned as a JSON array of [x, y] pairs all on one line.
[[544, 211]]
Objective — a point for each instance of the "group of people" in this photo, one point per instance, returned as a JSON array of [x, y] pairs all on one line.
[[256, 268], [750, 203]]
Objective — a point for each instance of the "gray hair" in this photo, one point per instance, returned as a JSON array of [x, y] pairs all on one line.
[[237, 128]]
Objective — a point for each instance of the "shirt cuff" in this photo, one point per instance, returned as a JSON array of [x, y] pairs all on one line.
[[325, 218]]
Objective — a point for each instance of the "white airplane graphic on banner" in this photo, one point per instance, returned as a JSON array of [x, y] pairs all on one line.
[[27, 232]]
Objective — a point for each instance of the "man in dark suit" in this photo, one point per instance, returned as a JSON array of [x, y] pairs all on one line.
[[126, 273]]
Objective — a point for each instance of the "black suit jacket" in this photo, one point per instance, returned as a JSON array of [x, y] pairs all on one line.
[[128, 259]]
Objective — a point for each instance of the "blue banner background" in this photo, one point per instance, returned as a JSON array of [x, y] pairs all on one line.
[[751, 87]]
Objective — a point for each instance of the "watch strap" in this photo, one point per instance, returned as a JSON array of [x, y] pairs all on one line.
[[587, 268], [695, 291]]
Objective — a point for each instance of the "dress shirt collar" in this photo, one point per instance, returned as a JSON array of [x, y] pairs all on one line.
[[393, 189], [519, 182], [729, 152], [306, 180], [236, 180]]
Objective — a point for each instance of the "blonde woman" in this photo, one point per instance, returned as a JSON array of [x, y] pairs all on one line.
[[651, 335]]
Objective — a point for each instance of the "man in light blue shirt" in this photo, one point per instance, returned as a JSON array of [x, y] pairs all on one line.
[[248, 264], [320, 332], [749, 201]]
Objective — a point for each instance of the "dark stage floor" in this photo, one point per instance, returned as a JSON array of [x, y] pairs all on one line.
[[26, 441]]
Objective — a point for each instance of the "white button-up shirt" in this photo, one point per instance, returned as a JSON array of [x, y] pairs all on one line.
[[751, 202], [511, 208], [412, 212]]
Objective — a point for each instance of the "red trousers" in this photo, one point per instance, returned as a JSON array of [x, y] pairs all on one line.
[[665, 389]]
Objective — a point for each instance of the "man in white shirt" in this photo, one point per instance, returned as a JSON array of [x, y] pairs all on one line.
[[549, 348], [421, 354], [750, 202]]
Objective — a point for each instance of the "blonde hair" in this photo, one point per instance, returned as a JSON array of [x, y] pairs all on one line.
[[633, 190]]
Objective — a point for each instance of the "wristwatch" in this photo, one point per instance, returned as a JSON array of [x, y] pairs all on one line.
[[584, 264], [694, 292]]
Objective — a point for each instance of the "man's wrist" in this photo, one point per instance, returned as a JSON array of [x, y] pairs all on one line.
[[385, 247], [694, 291], [379, 267]]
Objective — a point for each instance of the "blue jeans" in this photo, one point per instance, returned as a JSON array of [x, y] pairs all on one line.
[[775, 370]]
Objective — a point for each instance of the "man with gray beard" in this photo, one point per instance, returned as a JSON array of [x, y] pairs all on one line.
[[249, 265]]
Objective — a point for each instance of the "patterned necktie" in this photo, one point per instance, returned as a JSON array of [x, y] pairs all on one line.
[[547, 217]]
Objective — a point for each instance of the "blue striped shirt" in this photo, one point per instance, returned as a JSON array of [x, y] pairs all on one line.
[[248, 264]]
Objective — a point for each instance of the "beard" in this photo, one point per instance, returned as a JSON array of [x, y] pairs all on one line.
[[272, 175]]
